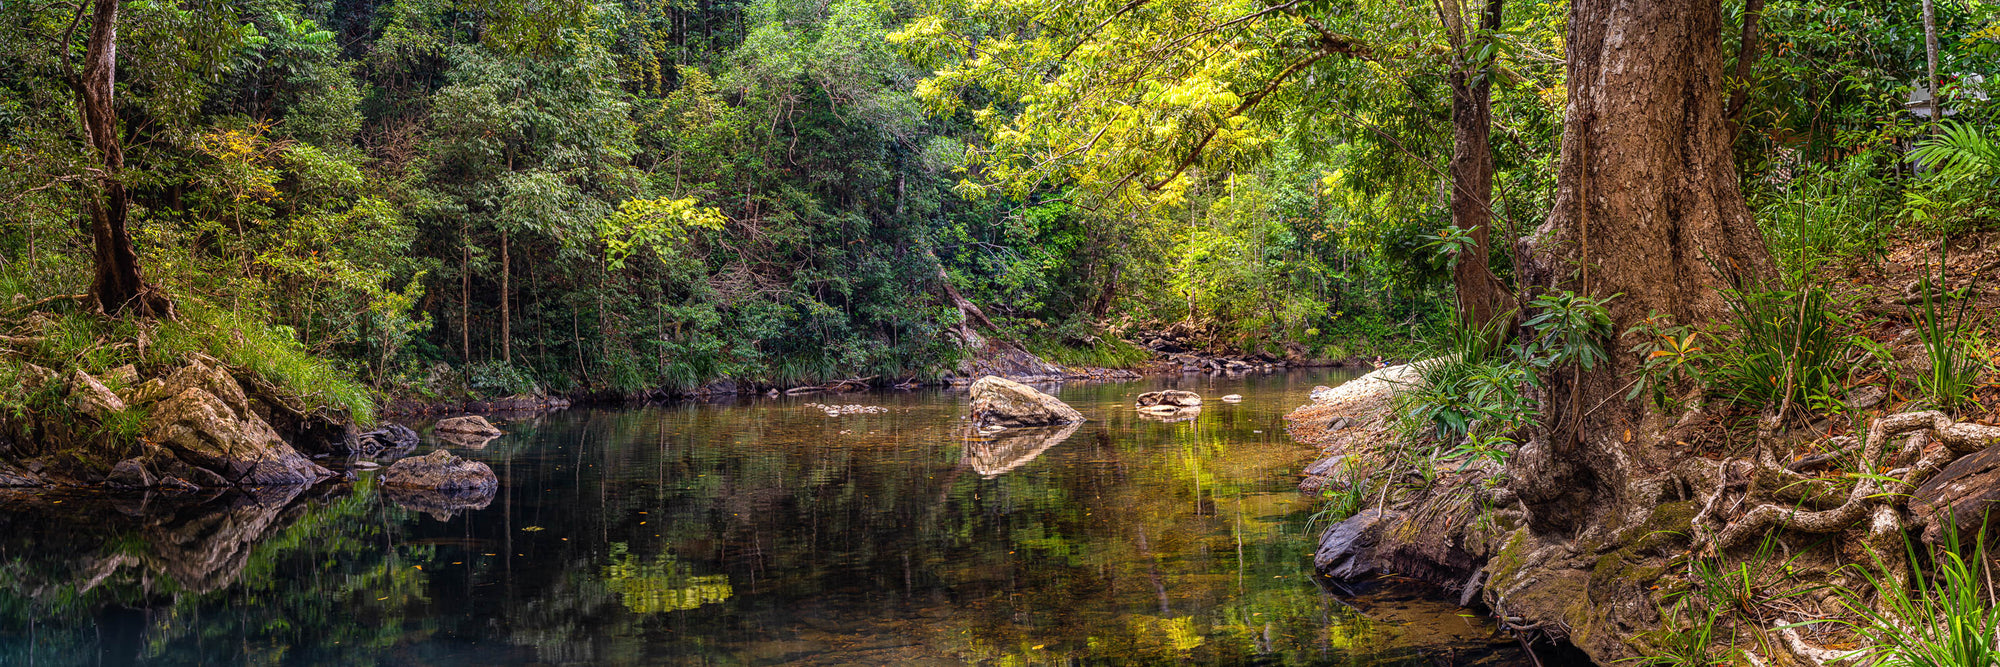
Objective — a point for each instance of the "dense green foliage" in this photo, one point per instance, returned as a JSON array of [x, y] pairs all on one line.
[[498, 197]]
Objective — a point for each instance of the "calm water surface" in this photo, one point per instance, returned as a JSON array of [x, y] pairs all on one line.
[[753, 532]]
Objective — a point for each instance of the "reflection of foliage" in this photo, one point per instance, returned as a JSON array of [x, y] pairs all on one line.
[[661, 586]]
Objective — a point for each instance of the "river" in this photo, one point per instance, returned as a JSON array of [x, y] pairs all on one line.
[[758, 531]]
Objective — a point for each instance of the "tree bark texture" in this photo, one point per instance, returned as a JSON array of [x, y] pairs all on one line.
[[1481, 294], [117, 283], [1647, 209]]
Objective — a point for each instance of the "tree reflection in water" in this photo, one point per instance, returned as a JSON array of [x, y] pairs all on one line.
[[754, 533]]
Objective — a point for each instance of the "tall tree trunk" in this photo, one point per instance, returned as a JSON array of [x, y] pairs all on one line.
[[465, 299], [506, 313], [117, 283], [1481, 295], [1647, 213], [1930, 65], [1746, 55]]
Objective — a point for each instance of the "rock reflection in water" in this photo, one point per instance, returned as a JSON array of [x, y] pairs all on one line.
[[995, 454], [439, 504], [1169, 414], [472, 441]]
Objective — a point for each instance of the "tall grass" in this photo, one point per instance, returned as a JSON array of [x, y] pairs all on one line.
[[270, 352], [1937, 621], [1470, 385], [1954, 370], [1787, 347], [1104, 352], [1824, 214]]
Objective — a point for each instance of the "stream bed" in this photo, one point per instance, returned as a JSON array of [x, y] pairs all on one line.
[[757, 531]]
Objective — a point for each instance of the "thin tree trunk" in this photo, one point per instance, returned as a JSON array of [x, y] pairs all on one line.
[[465, 300], [1109, 295], [1930, 65], [506, 314], [117, 283], [1746, 55], [1481, 295]]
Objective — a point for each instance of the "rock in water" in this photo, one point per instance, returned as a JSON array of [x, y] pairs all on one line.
[[1170, 397], [1233, 398], [441, 470], [390, 439], [998, 402], [440, 483], [469, 424], [203, 420]]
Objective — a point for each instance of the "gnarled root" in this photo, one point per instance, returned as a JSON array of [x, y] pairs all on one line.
[[1959, 439]]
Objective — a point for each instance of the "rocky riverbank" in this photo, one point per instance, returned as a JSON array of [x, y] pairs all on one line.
[[1456, 522]]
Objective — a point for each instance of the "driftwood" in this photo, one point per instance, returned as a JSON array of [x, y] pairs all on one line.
[[850, 384]]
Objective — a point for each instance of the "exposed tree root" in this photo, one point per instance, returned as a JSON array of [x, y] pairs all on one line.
[[1958, 439]]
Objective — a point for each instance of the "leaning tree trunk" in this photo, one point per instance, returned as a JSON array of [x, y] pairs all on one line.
[[1647, 212], [1481, 295], [117, 284]]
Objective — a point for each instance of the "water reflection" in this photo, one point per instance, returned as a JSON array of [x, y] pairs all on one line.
[[753, 532], [993, 454]]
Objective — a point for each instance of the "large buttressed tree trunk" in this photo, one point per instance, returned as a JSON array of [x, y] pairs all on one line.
[[117, 284], [1647, 208]]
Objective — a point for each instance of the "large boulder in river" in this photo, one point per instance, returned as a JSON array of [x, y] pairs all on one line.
[[1170, 397], [440, 484], [999, 402], [200, 417], [470, 425], [441, 471]]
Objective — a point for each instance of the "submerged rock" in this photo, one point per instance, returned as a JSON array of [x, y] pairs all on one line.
[[998, 402], [469, 424]]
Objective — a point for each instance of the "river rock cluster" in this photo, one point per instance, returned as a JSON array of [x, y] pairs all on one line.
[[843, 410], [201, 431]]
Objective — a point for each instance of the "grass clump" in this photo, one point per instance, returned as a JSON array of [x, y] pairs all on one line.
[[1954, 369], [1941, 620], [1097, 351], [1788, 348], [270, 352]]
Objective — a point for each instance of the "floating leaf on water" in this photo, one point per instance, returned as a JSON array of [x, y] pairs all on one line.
[[531, 529]]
